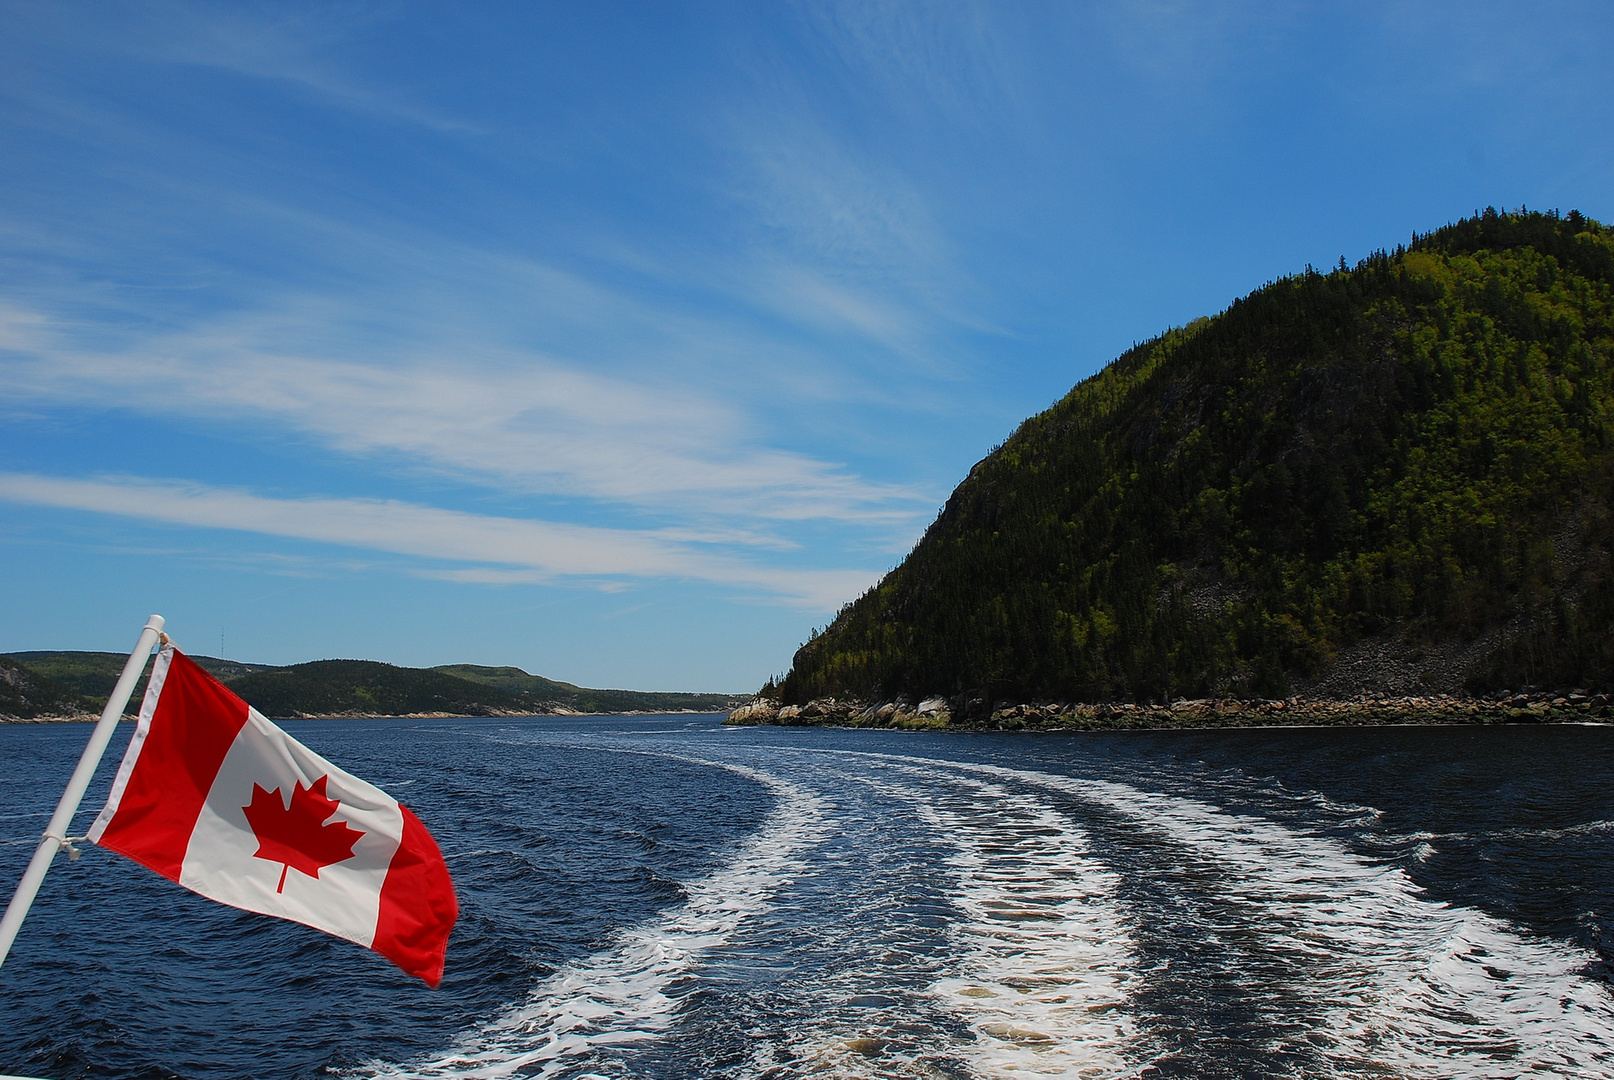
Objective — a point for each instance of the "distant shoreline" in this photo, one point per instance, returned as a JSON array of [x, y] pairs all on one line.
[[67, 686], [90, 718]]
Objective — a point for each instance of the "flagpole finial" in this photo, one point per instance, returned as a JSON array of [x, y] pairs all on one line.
[[156, 622]]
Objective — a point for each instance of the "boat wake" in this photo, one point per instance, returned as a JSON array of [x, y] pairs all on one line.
[[629, 994], [1078, 927], [1369, 974]]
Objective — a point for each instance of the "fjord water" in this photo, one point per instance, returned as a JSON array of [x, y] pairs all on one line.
[[664, 897]]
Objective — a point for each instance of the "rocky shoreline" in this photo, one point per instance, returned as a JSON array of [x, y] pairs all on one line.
[[63, 718], [90, 718], [942, 714]]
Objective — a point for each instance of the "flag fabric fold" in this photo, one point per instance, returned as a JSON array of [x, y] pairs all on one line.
[[214, 796]]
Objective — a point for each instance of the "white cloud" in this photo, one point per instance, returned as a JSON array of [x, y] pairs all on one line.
[[490, 414], [504, 550], [708, 386]]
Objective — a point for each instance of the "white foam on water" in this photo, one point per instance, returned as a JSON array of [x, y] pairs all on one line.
[[1585, 828], [1039, 986], [628, 994], [1047, 961], [1393, 980]]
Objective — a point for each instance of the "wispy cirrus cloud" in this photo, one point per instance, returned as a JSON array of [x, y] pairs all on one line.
[[293, 48], [500, 550], [596, 370], [650, 382], [501, 417]]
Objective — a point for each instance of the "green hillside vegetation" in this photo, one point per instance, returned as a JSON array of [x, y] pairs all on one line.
[[46, 683], [27, 694], [92, 675], [368, 688], [1416, 452], [582, 699]]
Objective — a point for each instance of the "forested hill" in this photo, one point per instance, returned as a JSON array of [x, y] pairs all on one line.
[[1401, 472], [47, 684]]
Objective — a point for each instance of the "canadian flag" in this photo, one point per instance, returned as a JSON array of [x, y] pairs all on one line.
[[215, 797]]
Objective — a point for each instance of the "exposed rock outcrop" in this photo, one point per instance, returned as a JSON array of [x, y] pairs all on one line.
[[1526, 706]]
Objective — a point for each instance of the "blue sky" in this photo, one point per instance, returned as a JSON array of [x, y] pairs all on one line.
[[625, 342]]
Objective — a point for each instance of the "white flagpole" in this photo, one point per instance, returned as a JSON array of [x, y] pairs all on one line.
[[55, 836]]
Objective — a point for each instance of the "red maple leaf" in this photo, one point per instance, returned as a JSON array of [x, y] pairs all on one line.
[[296, 834]]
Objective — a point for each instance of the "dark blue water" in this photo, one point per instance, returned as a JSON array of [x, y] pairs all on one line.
[[662, 897]]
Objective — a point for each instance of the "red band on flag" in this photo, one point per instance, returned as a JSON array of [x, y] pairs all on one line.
[[418, 906], [189, 732]]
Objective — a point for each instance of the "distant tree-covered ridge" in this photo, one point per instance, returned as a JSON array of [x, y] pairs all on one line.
[[45, 684], [1398, 473], [90, 676], [27, 694], [367, 688], [581, 698]]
